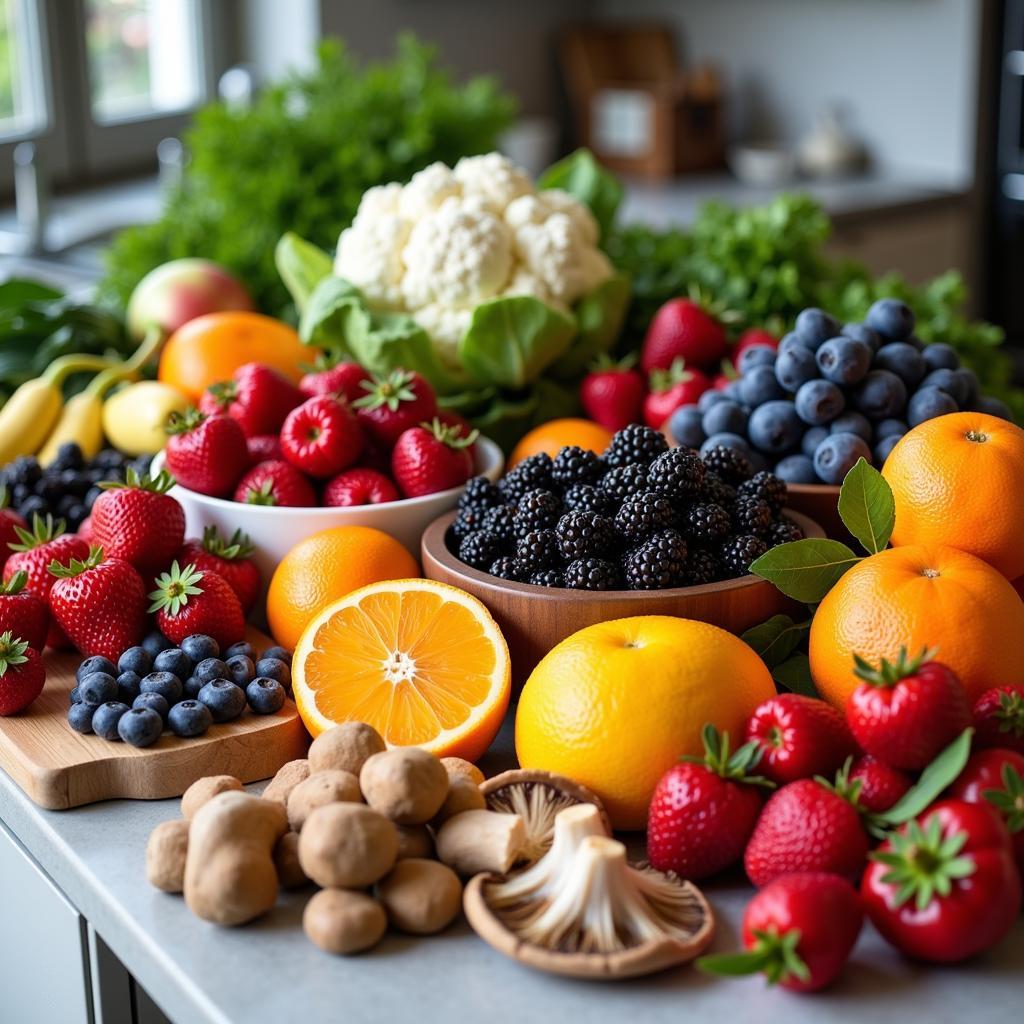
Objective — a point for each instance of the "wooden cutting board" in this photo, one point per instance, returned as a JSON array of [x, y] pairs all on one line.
[[60, 768]]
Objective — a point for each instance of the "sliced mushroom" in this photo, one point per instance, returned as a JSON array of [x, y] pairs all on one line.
[[538, 797], [585, 912]]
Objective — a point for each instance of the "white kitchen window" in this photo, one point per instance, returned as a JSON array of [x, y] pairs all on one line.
[[22, 96]]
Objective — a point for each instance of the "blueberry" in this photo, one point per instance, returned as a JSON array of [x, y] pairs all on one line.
[[725, 418], [756, 355], [891, 318], [795, 366], [242, 647], [796, 469], [106, 717], [189, 718], [156, 642], [949, 382], [74, 697], [890, 428], [209, 669], [199, 646], [883, 448], [281, 654], [709, 398], [224, 699], [97, 688], [274, 668], [265, 696], [861, 332], [760, 386], [685, 425], [95, 664], [775, 427], [815, 326], [852, 423], [837, 455], [813, 437], [993, 407], [741, 444], [80, 717], [970, 384], [732, 390], [141, 727], [880, 394], [190, 691], [128, 686], [175, 661], [940, 356], [916, 342], [790, 341], [154, 702], [135, 659], [818, 402], [843, 360], [240, 669], [928, 403], [166, 684], [902, 359]]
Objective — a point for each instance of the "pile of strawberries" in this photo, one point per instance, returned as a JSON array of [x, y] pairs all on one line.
[[882, 811], [341, 437]]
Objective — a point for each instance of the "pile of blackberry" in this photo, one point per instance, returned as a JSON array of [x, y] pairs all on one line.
[[640, 517]]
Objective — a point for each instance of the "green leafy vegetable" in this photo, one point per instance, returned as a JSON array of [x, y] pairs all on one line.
[[805, 570], [776, 638], [582, 176], [599, 319], [867, 507], [795, 675], [940, 774], [302, 267]]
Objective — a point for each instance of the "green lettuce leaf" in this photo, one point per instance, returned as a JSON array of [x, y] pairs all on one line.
[[302, 266], [599, 318], [582, 176]]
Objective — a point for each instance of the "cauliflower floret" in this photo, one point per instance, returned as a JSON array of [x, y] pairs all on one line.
[[370, 257], [458, 256], [523, 282], [494, 177], [554, 252], [558, 201], [379, 201], [427, 190], [446, 327]]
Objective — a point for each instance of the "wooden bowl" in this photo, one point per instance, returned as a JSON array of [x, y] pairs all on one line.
[[820, 502], [534, 619]]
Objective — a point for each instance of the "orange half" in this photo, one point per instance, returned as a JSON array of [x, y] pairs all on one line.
[[424, 663]]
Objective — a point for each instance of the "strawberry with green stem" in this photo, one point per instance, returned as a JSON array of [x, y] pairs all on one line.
[[431, 458], [671, 388], [10, 523], [612, 393], [22, 674], [230, 558], [393, 404], [999, 718], [207, 454], [24, 613], [188, 600], [996, 777]]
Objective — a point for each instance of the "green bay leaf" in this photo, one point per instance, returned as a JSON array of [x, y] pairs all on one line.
[[866, 507], [805, 570], [776, 638], [795, 675]]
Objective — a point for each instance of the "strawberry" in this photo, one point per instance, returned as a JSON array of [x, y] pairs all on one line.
[[25, 614], [321, 437], [671, 389], [231, 559], [207, 454], [431, 458], [263, 447], [704, 809], [344, 380], [275, 482], [798, 737], [10, 522], [750, 338], [996, 777], [907, 711], [85, 530], [139, 521], [798, 931], [999, 718], [188, 600], [22, 674], [395, 403], [880, 786], [681, 329], [359, 486], [257, 397], [806, 826], [100, 603], [450, 418], [612, 393], [47, 542]]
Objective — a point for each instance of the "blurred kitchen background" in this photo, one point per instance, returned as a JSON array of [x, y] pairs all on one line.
[[901, 118]]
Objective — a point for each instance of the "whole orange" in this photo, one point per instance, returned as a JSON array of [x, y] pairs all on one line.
[[919, 596], [554, 435], [325, 567], [959, 480], [210, 349]]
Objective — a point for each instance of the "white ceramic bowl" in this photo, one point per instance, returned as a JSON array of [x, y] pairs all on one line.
[[275, 531]]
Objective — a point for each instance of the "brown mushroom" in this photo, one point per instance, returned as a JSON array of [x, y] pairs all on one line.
[[323, 788], [538, 797], [343, 922], [206, 789], [286, 862], [420, 896], [347, 846], [584, 911], [463, 795], [345, 747], [165, 855], [287, 778], [460, 766], [476, 841], [414, 841], [406, 784]]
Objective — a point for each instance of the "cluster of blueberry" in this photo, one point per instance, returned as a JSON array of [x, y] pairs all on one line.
[[831, 395], [185, 689]]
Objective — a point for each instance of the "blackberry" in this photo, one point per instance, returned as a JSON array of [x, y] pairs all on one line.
[[537, 510], [500, 521], [591, 574], [678, 474], [729, 463], [658, 563], [539, 550], [509, 568], [635, 443], [623, 481], [548, 578], [585, 535], [766, 486], [575, 465], [530, 474], [751, 515], [717, 490], [641, 515], [783, 532], [479, 549], [706, 523], [738, 551], [701, 567], [587, 498], [480, 493], [468, 520]]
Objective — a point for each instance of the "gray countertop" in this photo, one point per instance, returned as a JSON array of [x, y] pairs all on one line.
[[268, 971]]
